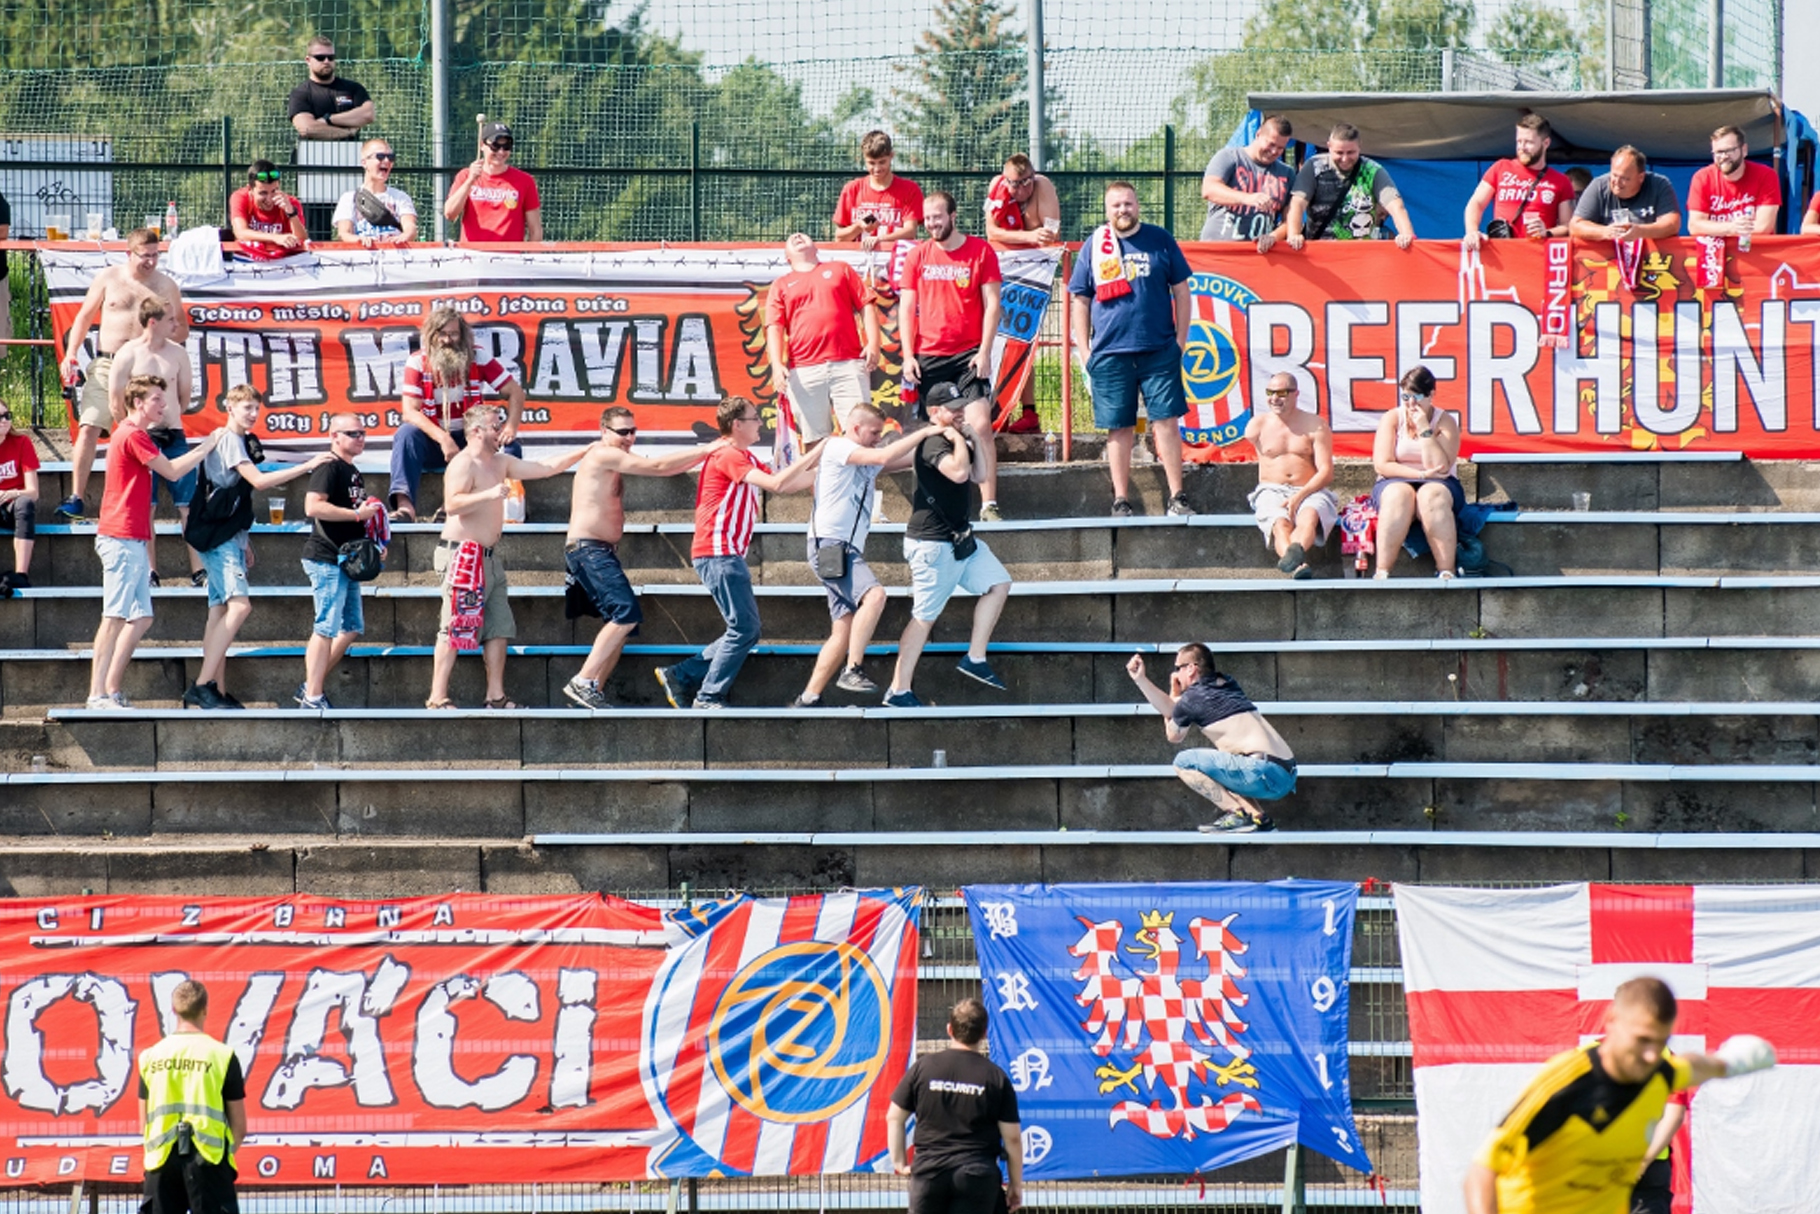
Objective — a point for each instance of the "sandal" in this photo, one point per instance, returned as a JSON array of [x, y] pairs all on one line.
[[401, 515], [441, 516], [440, 704], [504, 704]]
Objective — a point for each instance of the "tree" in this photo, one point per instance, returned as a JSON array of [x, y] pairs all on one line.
[[1535, 35], [971, 107]]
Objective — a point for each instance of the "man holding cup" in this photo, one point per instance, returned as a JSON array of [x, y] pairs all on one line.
[[881, 207], [1734, 195], [1527, 197], [1627, 204]]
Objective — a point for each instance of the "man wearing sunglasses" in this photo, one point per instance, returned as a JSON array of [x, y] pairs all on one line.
[[338, 508], [378, 212], [268, 222], [328, 111], [492, 201], [597, 519]]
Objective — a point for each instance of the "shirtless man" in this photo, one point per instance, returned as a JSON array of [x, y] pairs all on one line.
[[1023, 211], [113, 298], [1248, 762], [154, 353], [597, 519], [474, 493], [1294, 501]]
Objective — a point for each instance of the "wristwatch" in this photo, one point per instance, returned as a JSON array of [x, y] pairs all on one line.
[[1426, 434]]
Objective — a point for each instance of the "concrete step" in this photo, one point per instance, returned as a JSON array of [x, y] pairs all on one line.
[[1720, 670], [1105, 611], [1531, 543], [499, 803], [1369, 733]]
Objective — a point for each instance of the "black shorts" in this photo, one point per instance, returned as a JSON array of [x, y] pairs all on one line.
[[192, 1185], [948, 369], [1652, 1194], [963, 1188]]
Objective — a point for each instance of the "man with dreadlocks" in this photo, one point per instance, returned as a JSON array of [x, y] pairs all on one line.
[[443, 379]]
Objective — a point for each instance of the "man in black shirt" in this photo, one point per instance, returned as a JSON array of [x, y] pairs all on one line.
[[966, 1118], [941, 549], [327, 107], [338, 504]]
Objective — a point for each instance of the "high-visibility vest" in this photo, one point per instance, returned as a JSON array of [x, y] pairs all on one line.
[[183, 1077]]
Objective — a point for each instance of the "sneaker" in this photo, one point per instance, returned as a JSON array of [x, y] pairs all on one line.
[[1232, 822], [902, 699], [989, 513], [17, 581], [1026, 422], [854, 679], [705, 702], [70, 507], [678, 692], [980, 672], [1121, 507], [585, 694], [303, 699], [121, 701], [800, 702], [1179, 505], [104, 704], [199, 578], [202, 695], [228, 699]]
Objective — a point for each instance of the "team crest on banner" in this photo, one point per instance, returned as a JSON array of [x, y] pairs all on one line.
[[774, 1037], [1213, 366], [1170, 1028]]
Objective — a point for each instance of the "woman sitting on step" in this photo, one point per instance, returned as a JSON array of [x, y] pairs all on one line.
[[1417, 447]]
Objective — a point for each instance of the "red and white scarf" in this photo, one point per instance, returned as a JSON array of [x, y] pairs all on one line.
[[1002, 208], [1109, 281], [467, 596]]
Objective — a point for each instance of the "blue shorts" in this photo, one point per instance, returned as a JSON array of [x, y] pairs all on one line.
[[844, 593], [1118, 379], [226, 566], [1260, 777], [594, 564], [1452, 483], [173, 445], [337, 600]]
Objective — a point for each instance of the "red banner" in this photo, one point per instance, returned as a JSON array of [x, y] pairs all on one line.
[[604, 1038], [1538, 345]]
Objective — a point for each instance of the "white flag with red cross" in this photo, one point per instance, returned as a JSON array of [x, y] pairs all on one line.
[[1500, 980]]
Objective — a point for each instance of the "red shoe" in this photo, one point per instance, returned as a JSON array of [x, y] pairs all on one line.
[[1026, 422]]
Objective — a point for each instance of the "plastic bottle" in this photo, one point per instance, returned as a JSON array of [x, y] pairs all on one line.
[[170, 220], [1051, 447], [908, 394], [515, 501]]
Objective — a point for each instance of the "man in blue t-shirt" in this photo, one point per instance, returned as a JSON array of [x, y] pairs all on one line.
[[1130, 340]]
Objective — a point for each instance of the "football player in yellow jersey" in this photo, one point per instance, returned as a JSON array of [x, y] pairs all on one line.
[[1578, 1134]]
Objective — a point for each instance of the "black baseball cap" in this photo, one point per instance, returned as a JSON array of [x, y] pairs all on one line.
[[495, 130]]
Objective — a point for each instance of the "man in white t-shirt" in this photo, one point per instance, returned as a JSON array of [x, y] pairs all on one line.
[[388, 215], [842, 516]]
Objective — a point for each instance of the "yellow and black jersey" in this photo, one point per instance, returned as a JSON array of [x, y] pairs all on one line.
[[1576, 1137]]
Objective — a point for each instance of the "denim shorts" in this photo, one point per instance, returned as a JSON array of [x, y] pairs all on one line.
[[935, 575], [844, 593], [1256, 776], [1118, 379], [126, 578], [183, 488], [337, 600], [226, 567], [594, 564]]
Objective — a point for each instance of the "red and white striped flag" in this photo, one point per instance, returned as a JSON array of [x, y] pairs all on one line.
[[1499, 980]]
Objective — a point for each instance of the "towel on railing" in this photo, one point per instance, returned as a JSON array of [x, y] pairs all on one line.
[[467, 596]]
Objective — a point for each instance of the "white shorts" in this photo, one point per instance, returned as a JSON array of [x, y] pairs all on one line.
[[935, 575], [126, 578], [1271, 502], [823, 391]]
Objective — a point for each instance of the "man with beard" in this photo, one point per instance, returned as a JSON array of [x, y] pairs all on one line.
[[1734, 195], [1527, 197], [1294, 503], [948, 308], [1131, 312], [475, 496], [326, 107], [114, 299], [1247, 188], [443, 379], [1341, 194]]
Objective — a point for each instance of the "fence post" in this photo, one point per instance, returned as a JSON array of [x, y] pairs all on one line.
[[694, 180], [1169, 178], [76, 1198], [227, 164], [439, 105], [1295, 1191], [1067, 362]]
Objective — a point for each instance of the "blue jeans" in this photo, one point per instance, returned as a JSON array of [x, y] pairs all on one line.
[[414, 453], [337, 600], [713, 670], [1253, 776]]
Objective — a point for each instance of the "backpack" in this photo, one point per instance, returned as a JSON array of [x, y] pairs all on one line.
[[219, 513]]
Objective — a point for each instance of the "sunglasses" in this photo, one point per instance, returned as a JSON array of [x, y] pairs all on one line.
[[6, 417], [273, 175], [359, 436], [748, 417], [1279, 391], [388, 157], [628, 432], [323, 58], [1184, 665], [501, 145]]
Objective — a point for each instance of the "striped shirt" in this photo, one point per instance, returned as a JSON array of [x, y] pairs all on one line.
[[726, 507], [482, 373]]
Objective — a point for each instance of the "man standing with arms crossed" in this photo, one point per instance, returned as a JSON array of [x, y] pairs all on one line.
[[474, 493], [966, 1119], [192, 1103], [1294, 501], [597, 521], [947, 314], [812, 338], [154, 353], [113, 298], [726, 510]]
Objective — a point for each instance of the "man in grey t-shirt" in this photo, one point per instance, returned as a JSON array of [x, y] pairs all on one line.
[[1628, 203], [1247, 188]]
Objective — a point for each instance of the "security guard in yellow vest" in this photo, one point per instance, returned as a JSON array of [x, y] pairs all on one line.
[[192, 1103]]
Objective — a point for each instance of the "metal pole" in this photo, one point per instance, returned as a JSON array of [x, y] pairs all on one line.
[[439, 102], [1067, 364], [227, 163], [1611, 45], [1715, 42], [1295, 1191], [1169, 177], [1033, 38], [694, 180]]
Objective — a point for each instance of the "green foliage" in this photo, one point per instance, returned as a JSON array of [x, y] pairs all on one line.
[[969, 108]]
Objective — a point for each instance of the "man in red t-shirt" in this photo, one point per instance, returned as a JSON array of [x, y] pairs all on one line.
[[1732, 195], [18, 496], [491, 200], [1527, 197], [267, 222], [726, 508], [813, 340], [443, 379], [947, 313], [123, 540], [880, 207]]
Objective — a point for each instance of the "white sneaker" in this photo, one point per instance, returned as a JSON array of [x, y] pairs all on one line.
[[108, 703]]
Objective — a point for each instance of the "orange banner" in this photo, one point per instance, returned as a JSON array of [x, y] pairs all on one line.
[[1539, 346]]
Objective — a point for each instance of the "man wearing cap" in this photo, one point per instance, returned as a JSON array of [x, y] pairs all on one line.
[[813, 317], [492, 201]]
